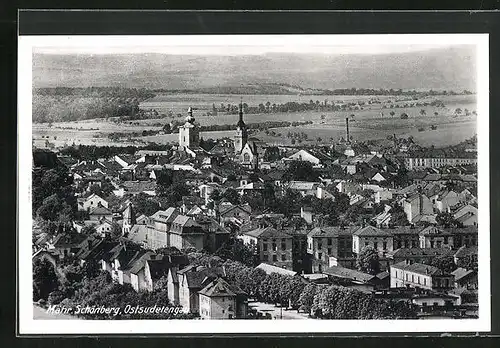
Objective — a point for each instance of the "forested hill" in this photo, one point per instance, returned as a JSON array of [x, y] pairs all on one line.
[[447, 68]]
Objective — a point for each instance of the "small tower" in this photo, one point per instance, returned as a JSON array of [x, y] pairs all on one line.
[[349, 152], [241, 136], [129, 218], [189, 134]]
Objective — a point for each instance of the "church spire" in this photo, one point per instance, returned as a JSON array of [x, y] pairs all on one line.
[[241, 123]]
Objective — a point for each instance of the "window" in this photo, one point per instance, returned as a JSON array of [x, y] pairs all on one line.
[[366, 244], [329, 251], [412, 279], [320, 245], [275, 257], [283, 245], [283, 257], [320, 256], [329, 241], [385, 245], [266, 258], [425, 281], [375, 245], [264, 247], [418, 279]]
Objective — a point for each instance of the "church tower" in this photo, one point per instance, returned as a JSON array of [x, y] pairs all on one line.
[[189, 134], [349, 152], [129, 218], [241, 136]]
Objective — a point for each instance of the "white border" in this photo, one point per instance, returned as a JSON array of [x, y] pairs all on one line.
[[27, 325]]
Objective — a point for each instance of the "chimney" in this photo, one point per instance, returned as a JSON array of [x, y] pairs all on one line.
[[347, 128]]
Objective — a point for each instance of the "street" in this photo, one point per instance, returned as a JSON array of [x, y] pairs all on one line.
[[277, 312]]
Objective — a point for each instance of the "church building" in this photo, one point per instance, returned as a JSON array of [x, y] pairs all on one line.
[[245, 149], [189, 134]]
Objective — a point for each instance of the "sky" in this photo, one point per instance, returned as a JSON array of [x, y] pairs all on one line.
[[245, 44]]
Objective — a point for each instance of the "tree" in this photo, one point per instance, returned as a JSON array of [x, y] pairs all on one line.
[[392, 113], [307, 295], [458, 111], [145, 204], [234, 249], [368, 261], [423, 112], [301, 171], [468, 262], [444, 263], [45, 279], [232, 196], [404, 116], [446, 219]]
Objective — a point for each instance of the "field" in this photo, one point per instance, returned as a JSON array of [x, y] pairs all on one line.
[[371, 122]]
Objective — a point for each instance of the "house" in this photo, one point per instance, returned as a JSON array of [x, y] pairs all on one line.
[[316, 158], [135, 187], [221, 300], [464, 236], [405, 237], [305, 188], [432, 301], [465, 252], [87, 203], [382, 196], [183, 287], [137, 272], [100, 213], [207, 189], [241, 213], [417, 207], [185, 233], [330, 245], [418, 275], [465, 214], [445, 200], [465, 278], [384, 218], [104, 227], [271, 245], [158, 227], [369, 236], [433, 237], [418, 255], [67, 244], [353, 279]]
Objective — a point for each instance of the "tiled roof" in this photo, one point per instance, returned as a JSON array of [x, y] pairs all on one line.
[[466, 251], [418, 268], [419, 252], [332, 231], [369, 231], [348, 273], [460, 273], [275, 269], [198, 279], [166, 216], [220, 288], [267, 232], [100, 211]]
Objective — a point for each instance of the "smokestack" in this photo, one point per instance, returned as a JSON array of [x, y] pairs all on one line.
[[240, 111], [347, 127]]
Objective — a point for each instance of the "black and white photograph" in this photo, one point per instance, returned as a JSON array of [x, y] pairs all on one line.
[[199, 184]]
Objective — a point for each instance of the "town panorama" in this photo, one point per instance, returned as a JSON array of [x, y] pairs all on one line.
[[262, 199]]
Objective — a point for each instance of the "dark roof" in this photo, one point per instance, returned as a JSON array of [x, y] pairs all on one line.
[[332, 231], [466, 251], [419, 252], [350, 274], [199, 278], [370, 231], [419, 268], [68, 240], [267, 232], [221, 288]]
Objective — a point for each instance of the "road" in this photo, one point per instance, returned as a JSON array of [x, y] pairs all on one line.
[[276, 312], [41, 313]]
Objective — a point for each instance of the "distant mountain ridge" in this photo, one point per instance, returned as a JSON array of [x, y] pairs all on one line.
[[448, 68]]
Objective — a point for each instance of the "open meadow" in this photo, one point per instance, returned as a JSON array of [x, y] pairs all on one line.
[[367, 120]]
